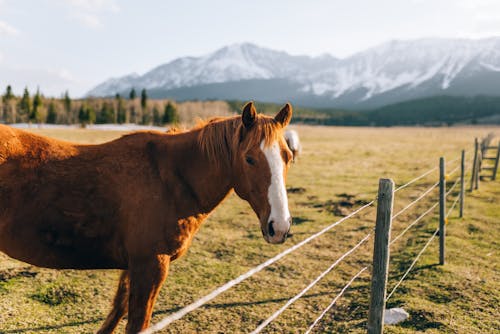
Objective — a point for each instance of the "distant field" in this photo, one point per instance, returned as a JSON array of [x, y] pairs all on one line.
[[336, 163]]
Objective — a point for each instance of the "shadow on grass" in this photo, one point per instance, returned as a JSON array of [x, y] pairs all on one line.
[[299, 220], [52, 327], [421, 321], [414, 270], [159, 312], [236, 304]]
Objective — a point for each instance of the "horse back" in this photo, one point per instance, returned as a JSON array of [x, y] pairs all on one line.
[[31, 149], [59, 203]]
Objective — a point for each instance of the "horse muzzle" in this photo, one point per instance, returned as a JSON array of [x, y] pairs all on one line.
[[276, 233]]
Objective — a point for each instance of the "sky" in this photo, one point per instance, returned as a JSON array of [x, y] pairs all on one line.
[[73, 45]]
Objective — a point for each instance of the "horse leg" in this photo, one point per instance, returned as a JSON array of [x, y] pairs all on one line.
[[120, 305], [146, 279]]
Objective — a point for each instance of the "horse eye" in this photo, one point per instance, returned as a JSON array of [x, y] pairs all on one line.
[[250, 160]]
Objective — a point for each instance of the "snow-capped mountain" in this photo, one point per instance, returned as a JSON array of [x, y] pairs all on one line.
[[392, 72]]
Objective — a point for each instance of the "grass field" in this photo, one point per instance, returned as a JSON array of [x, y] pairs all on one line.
[[338, 167]]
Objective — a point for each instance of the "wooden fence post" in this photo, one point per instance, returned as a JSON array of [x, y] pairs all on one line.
[[496, 163], [478, 169], [381, 256], [474, 164], [462, 184], [442, 208]]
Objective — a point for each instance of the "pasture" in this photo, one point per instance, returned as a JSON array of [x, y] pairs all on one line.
[[337, 171]]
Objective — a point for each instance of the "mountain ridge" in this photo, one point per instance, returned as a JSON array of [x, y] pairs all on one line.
[[392, 72]]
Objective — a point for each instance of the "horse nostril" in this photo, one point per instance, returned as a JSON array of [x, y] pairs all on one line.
[[271, 229]]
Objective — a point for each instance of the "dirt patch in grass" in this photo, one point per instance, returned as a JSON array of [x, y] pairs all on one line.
[[343, 207], [56, 294], [295, 190], [9, 274]]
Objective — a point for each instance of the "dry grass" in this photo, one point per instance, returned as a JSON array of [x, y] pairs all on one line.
[[461, 297]]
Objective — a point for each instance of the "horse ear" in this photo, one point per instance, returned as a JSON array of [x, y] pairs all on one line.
[[249, 114], [285, 115]]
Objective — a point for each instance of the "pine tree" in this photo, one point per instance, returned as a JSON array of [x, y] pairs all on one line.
[[25, 103], [170, 116], [133, 112], [144, 99], [106, 115], [156, 116], [9, 109], [132, 94], [67, 107], [82, 115], [52, 113], [121, 112], [91, 116], [8, 94], [35, 114]]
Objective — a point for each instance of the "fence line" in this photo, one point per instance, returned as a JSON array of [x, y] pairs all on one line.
[[412, 264], [422, 176], [427, 243], [414, 222], [335, 300], [307, 288], [372, 321], [415, 201], [387, 216], [200, 302]]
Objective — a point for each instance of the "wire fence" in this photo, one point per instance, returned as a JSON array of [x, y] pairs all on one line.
[[453, 205], [460, 180], [412, 264], [414, 223], [426, 245], [425, 193], [200, 302], [313, 283], [452, 187], [328, 308]]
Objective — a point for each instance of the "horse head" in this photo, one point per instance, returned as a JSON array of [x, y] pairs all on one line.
[[260, 167]]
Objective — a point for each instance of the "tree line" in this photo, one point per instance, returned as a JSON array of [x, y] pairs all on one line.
[[429, 111], [65, 110]]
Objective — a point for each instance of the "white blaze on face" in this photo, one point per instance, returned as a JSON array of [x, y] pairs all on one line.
[[276, 193]]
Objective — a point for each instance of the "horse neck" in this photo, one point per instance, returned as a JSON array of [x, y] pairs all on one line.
[[205, 181]]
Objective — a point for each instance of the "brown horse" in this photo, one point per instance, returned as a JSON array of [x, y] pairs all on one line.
[[135, 203]]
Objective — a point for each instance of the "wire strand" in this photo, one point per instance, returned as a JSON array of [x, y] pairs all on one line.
[[453, 186], [454, 171], [335, 300], [313, 283], [412, 264], [415, 179], [453, 205], [415, 201], [454, 160], [191, 307], [414, 222]]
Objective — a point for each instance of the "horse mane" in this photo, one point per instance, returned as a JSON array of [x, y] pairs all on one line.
[[174, 130], [220, 137]]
